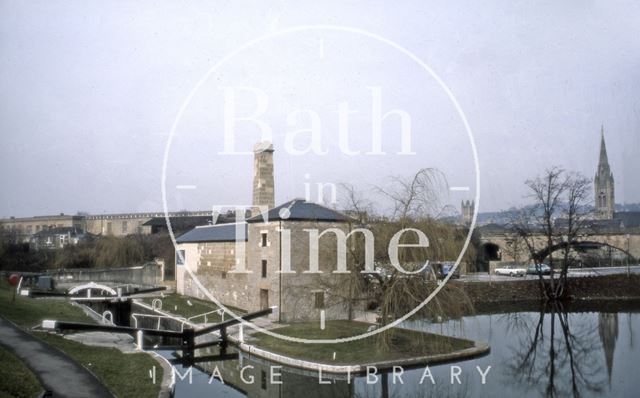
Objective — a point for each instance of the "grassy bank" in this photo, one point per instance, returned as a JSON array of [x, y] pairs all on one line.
[[403, 343], [126, 375], [16, 380], [28, 312], [188, 307]]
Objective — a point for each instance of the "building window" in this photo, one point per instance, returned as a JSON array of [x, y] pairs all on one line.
[[263, 239], [263, 379], [180, 257], [264, 268], [223, 275], [124, 227], [318, 300], [109, 227]]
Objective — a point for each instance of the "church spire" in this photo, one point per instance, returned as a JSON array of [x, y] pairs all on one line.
[[604, 161], [604, 183]]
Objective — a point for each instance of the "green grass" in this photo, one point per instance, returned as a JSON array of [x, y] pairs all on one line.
[[126, 375], [16, 380], [29, 312], [403, 343], [177, 304]]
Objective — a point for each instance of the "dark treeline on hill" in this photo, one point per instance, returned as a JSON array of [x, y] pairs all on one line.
[[91, 252]]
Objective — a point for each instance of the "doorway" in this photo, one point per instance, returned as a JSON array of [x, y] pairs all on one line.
[[264, 299]]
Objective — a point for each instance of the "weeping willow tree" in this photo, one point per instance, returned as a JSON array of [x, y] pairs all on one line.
[[118, 252], [416, 205]]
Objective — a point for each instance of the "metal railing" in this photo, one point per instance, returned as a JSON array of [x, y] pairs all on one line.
[[135, 317], [187, 336], [219, 311]]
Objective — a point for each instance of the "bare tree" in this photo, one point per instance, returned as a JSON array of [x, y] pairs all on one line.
[[515, 247], [553, 222]]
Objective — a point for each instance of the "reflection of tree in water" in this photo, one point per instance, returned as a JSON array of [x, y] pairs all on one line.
[[555, 357], [442, 388]]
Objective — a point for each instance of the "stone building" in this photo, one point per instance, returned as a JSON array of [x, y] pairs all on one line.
[[23, 229], [604, 185], [140, 223], [276, 248], [467, 208], [56, 238]]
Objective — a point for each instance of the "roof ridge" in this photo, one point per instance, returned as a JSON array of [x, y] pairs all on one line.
[[221, 224]]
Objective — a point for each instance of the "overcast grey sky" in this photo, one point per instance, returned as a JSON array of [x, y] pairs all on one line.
[[90, 91]]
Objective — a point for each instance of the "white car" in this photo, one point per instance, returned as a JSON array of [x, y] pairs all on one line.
[[511, 270]]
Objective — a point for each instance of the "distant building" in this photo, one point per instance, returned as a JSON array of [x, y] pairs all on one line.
[[603, 184], [24, 228], [56, 238], [467, 209]]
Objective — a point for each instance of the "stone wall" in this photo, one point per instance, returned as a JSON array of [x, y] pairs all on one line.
[[527, 290], [300, 288], [294, 294], [148, 275], [627, 241], [117, 225]]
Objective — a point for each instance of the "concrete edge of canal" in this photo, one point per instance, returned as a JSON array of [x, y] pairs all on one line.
[[479, 349]]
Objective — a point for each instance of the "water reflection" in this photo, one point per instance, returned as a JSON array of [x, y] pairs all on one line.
[[608, 331], [548, 353], [558, 357]]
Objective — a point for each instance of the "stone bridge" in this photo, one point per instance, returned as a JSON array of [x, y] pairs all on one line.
[[505, 246]]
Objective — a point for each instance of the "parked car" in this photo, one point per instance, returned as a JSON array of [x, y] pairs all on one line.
[[446, 268], [511, 270], [533, 269]]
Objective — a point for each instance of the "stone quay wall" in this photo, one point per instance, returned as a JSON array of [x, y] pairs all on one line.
[[150, 274], [601, 287]]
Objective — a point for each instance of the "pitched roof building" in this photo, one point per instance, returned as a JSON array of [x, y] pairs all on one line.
[[261, 262]]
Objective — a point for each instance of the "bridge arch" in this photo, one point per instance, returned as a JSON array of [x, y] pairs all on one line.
[[93, 286], [491, 251], [583, 244]]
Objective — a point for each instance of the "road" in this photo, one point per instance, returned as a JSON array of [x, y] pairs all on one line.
[[56, 371], [573, 273]]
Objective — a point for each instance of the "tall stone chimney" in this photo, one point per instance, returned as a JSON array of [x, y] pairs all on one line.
[[263, 187]]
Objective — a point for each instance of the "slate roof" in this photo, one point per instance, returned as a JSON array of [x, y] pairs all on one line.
[[213, 233], [58, 231], [301, 210], [630, 219]]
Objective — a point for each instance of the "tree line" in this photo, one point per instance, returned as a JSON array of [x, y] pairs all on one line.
[[90, 252]]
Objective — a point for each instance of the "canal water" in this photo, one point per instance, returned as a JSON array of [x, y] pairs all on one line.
[[550, 353]]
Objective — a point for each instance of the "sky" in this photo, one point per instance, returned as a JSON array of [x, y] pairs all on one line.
[[98, 98]]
